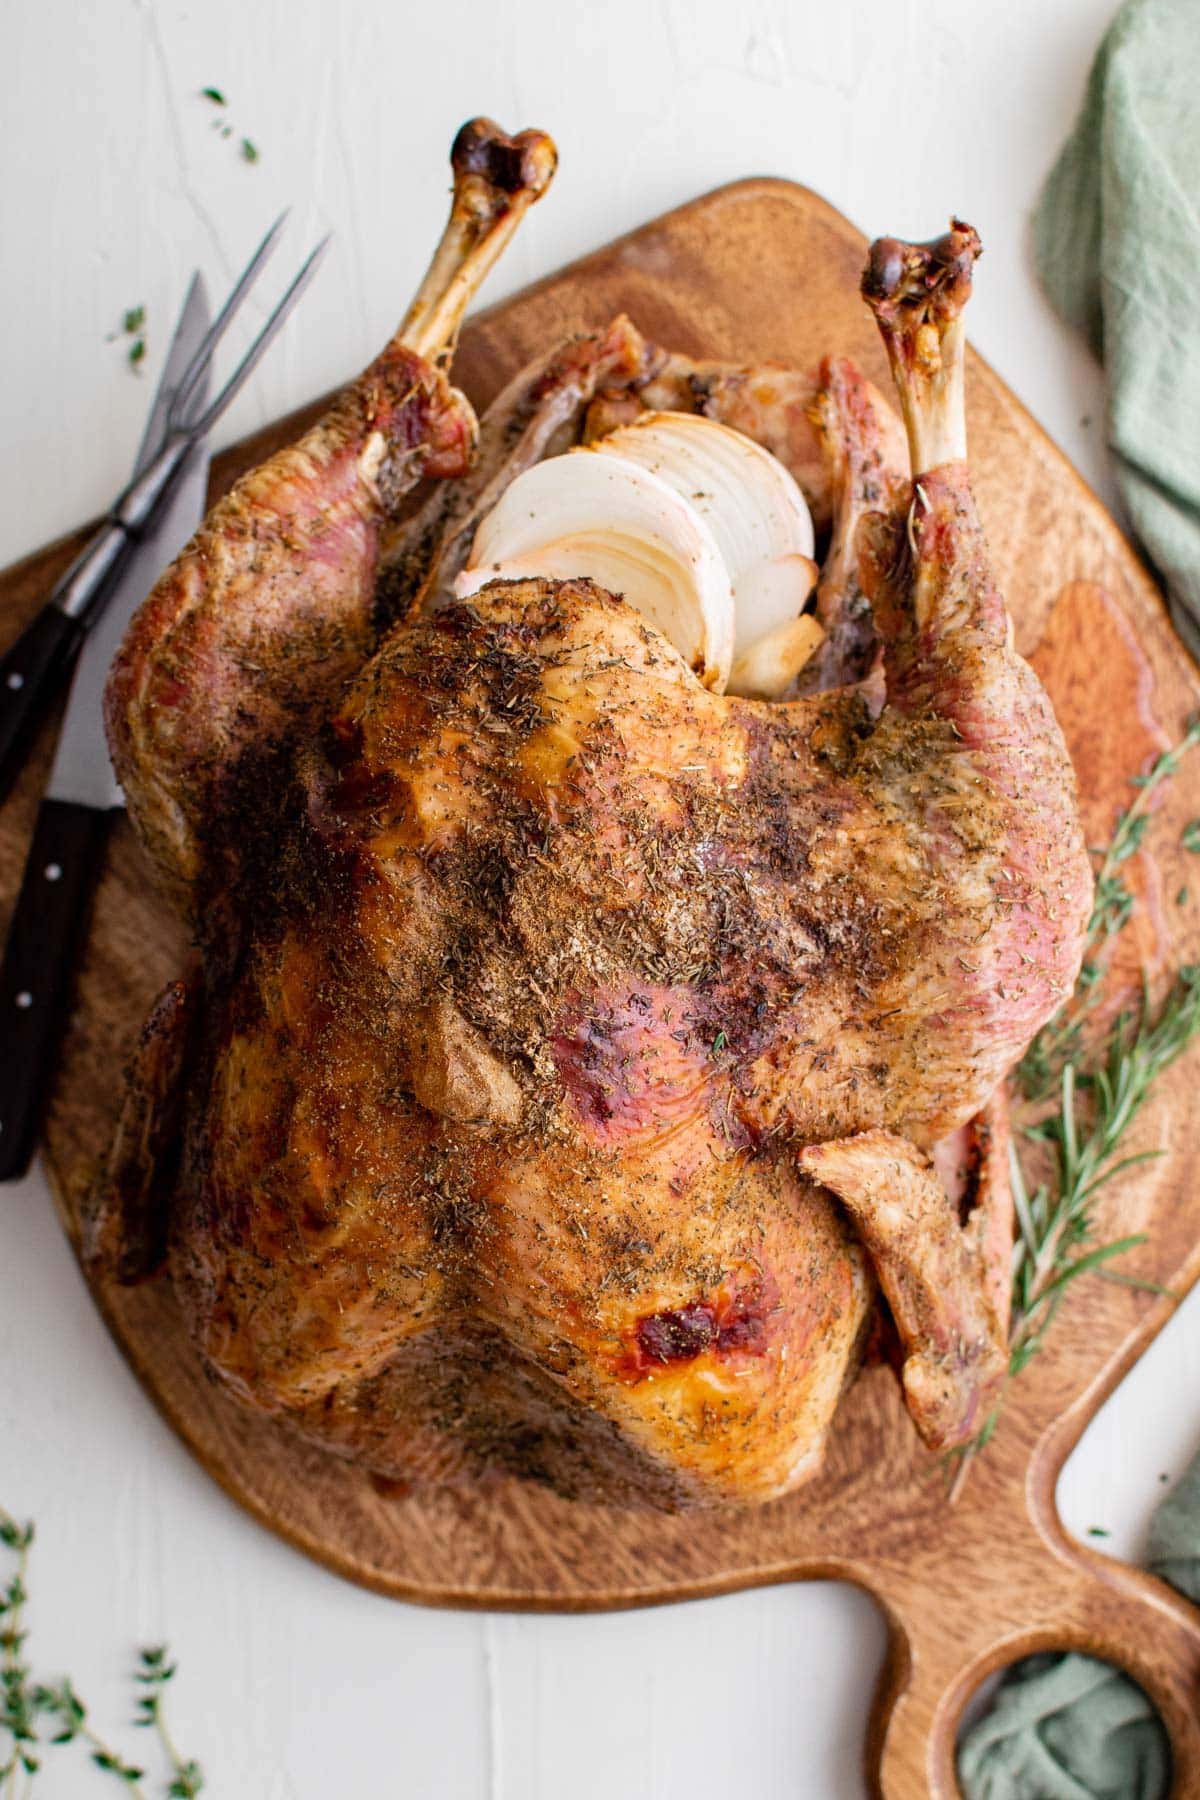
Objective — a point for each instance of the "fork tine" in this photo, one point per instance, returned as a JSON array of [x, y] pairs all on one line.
[[274, 324], [216, 330]]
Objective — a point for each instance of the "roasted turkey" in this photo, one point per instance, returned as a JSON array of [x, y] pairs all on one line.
[[576, 1062]]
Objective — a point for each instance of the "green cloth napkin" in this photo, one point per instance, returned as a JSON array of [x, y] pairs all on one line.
[[1067, 1727], [1173, 1541], [1117, 241]]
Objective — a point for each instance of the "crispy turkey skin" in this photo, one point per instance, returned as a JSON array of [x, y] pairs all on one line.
[[568, 1045]]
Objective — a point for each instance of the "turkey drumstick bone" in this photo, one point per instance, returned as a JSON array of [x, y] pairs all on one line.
[[496, 181], [917, 293]]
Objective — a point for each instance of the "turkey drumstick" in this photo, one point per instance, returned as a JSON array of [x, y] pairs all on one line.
[[917, 293], [255, 628], [1001, 797], [997, 790]]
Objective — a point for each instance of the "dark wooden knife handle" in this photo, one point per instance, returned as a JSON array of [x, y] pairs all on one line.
[[31, 673], [39, 960]]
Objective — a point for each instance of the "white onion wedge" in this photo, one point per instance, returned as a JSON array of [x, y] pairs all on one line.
[[750, 502], [630, 531], [766, 668], [695, 525]]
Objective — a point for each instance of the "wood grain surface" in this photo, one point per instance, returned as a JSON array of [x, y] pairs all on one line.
[[763, 269]]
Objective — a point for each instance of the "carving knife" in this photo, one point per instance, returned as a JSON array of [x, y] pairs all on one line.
[[82, 794]]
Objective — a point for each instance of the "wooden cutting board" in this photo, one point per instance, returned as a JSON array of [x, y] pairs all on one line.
[[764, 269]]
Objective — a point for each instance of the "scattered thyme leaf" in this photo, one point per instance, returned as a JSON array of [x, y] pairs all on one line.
[[133, 325], [718, 1043], [1190, 838], [247, 149], [1098, 1531]]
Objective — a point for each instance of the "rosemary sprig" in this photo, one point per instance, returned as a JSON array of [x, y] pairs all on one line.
[[1097, 1100], [1084, 1135], [1114, 903], [1040, 1068], [1055, 1222], [25, 1703]]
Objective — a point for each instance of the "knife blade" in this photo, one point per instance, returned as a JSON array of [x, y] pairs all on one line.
[[82, 793]]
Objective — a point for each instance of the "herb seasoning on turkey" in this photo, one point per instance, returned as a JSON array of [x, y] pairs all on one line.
[[571, 1045]]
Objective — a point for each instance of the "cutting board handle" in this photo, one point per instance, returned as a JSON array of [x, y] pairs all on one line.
[[1053, 1594]]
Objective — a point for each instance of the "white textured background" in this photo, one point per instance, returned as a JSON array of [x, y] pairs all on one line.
[[294, 1685]]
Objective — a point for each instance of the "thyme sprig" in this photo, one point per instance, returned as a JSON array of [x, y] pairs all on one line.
[[155, 1672], [61, 1705], [16, 1709], [36, 1715], [1096, 1099]]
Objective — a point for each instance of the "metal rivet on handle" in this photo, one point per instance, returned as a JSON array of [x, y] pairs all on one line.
[[52, 871], [16, 680], [24, 999]]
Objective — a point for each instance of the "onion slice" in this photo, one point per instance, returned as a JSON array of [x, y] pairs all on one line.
[[750, 502], [696, 526], [767, 667], [627, 529]]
